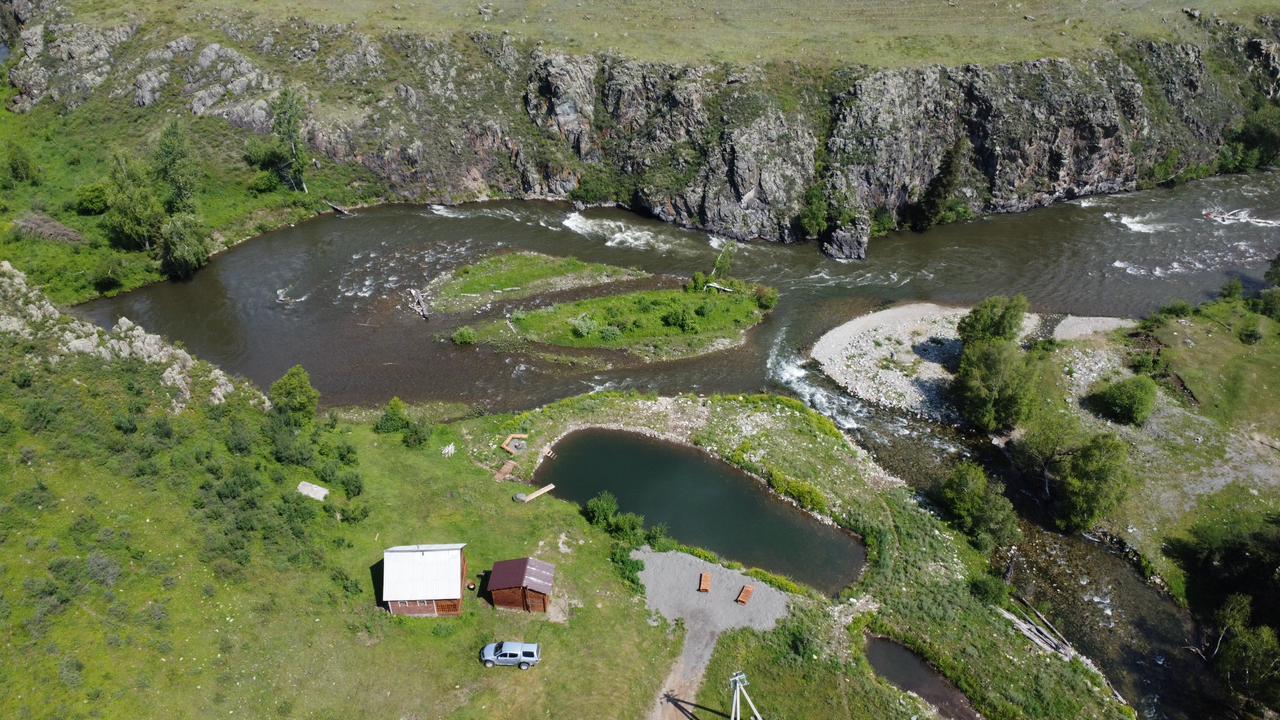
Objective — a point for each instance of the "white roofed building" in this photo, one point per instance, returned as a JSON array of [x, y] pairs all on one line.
[[424, 580]]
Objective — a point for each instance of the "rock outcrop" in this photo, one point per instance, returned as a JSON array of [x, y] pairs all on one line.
[[732, 150], [27, 314]]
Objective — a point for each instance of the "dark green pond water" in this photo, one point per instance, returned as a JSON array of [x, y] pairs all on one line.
[[704, 502], [910, 672]]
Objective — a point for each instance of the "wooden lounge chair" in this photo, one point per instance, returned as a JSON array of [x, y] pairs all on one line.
[[744, 596], [704, 582]]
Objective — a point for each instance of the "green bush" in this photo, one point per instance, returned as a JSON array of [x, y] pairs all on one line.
[[979, 508], [766, 297], [1149, 362], [1269, 303], [395, 417], [184, 246], [352, 483], [293, 398], [989, 589], [264, 182], [464, 335], [92, 199], [993, 385], [1130, 401], [22, 169], [416, 434], [814, 216], [1093, 482], [1233, 290], [996, 318], [601, 509], [1250, 330], [135, 215]]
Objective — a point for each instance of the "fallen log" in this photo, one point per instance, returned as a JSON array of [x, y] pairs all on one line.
[[338, 209]]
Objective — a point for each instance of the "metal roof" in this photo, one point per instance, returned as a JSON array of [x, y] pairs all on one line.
[[422, 572], [523, 572]]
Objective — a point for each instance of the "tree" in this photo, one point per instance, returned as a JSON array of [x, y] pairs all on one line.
[[979, 507], [1129, 401], [1261, 132], [92, 199], [814, 217], [394, 418], [293, 399], [22, 168], [1233, 290], [993, 385], [724, 261], [1093, 482], [174, 170], [289, 115], [135, 216], [1273, 273], [601, 509], [184, 246], [996, 318]]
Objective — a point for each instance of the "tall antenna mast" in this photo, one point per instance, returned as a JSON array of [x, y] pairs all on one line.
[[739, 684]]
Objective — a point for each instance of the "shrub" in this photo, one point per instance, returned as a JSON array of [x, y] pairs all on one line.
[[1269, 303], [766, 297], [293, 398], [264, 182], [22, 169], [990, 590], [135, 216], [174, 169], [1093, 482], [1233, 290], [1178, 309], [91, 199], [610, 333], [464, 335], [583, 326], [601, 509], [979, 507], [1272, 276], [1250, 331], [993, 385], [814, 216], [416, 435], [1130, 401], [996, 318], [184, 246], [395, 417], [1149, 362]]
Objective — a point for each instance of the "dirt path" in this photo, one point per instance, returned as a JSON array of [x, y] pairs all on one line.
[[671, 589]]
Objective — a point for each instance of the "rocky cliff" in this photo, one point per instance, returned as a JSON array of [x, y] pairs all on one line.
[[743, 152]]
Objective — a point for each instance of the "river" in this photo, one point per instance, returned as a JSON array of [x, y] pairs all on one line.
[[331, 294]]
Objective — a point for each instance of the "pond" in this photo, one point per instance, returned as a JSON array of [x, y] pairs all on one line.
[[910, 672], [704, 502]]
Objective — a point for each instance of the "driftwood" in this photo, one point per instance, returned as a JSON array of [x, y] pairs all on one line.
[[719, 287], [337, 208], [418, 303]]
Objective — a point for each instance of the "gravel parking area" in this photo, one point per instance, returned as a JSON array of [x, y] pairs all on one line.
[[671, 589]]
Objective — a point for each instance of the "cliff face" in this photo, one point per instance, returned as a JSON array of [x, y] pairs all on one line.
[[737, 151]]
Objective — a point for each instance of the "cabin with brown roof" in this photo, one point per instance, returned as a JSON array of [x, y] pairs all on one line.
[[424, 580], [523, 584]]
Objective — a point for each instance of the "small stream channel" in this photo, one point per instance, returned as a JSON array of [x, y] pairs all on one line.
[[331, 294], [704, 502]]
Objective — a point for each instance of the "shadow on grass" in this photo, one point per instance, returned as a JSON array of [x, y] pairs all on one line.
[[690, 710]]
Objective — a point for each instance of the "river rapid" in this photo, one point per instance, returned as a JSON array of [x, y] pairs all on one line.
[[331, 294]]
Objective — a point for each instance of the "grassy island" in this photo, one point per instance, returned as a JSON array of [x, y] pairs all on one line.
[[518, 275], [652, 325]]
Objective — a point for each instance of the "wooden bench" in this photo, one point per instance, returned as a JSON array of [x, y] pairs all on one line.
[[704, 582], [744, 596]]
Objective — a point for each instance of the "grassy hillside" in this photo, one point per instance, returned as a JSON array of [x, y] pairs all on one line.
[[821, 32], [74, 150]]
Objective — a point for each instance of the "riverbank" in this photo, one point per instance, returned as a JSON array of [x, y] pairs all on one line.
[[901, 358]]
